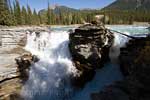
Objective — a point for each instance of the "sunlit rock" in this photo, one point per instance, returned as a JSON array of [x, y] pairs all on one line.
[[89, 47]]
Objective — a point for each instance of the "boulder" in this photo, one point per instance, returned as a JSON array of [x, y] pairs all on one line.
[[24, 62], [89, 46]]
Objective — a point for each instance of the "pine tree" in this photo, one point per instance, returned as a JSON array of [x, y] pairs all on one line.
[[36, 20], [48, 15], [24, 16], [17, 13], [12, 15], [29, 21], [4, 13]]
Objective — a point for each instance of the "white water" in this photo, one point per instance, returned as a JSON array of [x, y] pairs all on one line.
[[49, 78], [120, 40]]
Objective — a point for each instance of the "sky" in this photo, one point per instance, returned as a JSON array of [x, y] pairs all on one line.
[[41, 4]]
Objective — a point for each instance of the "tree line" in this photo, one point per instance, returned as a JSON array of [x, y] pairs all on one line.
[[17, 15], [14, 14]]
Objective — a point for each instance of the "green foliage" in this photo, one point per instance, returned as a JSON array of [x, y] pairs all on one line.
[[5, 16], [48, 15], [36, 20], [29, 21], [15, 15], [24, 16]]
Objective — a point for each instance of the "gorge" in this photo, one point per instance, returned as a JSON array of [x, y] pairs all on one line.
[[50, 77]]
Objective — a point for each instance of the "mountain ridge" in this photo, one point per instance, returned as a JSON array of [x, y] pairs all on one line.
[[129, 5]]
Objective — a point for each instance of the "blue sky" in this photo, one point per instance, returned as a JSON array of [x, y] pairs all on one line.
[[40, 4]]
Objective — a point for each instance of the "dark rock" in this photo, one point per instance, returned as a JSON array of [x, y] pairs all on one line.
[[135, 65], [110, 93], [24, 62], [37, 34], [129, 53], [89, 46], [35, 58]]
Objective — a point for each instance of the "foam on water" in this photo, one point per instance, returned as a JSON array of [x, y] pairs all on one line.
[[110, 73], [49, 78]]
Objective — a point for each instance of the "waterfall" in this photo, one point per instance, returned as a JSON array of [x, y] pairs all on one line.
[[49, 78], [119, 41]]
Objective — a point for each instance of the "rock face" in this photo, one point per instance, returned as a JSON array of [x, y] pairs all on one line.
[[24, 62], [11, 82], [14, 72], [135, 64], [10, 37], [89, 46]]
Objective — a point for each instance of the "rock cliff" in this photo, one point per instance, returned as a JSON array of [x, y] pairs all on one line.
[[15, 61], [135, 65], [89, 46]]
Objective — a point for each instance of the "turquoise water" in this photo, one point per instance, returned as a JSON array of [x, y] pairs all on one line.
[[63, 28], [130, 29], [110, 73]]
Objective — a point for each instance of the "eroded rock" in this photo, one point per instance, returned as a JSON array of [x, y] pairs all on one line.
[[89, 47], [135, 65], [11, 84], [24, 62]]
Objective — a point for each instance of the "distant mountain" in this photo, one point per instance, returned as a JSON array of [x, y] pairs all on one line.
[[63, 9], [88, 9], [129, 5], [57, 9]]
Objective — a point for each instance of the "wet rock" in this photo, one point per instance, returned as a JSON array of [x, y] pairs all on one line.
[[129, 53], [14, 73], [89, 47], [135, 65], [110, 93], [24, 62], [12, 82], [11, 37]]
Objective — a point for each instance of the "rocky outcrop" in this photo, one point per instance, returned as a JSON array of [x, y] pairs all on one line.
[[10, 37], [129, 53], [135, 64], [15, 61], [23, 64], [11, 82], [89, 47]]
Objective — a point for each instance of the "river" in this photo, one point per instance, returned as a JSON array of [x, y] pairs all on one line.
[[49, 78]]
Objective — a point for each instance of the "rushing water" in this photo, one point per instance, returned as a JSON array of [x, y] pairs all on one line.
[[49, 78]]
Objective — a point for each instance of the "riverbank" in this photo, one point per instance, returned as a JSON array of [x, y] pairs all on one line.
[[59, 41], [12, 43], [38, 26], [134, 63]]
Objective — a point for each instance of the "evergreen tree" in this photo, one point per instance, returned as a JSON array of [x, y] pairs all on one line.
[[48, 15], [17, 13], [36, 20], [29, 21], [24, 16], [4, 13], [12, 15]]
